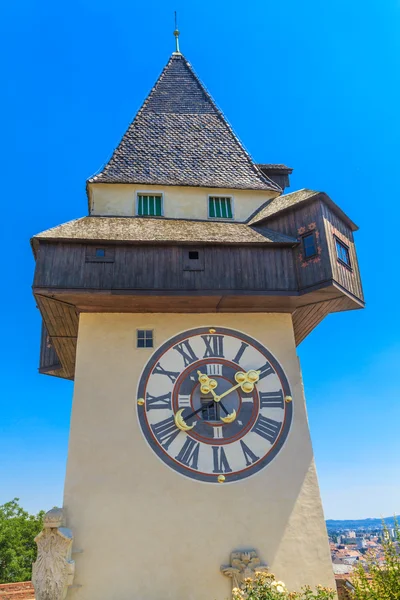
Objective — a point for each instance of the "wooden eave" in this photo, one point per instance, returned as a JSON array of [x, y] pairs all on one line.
[[36, 241], [60, 309]]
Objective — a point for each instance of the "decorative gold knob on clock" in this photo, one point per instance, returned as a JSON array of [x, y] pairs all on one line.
[[140, 401], [221, 478], [288, 398]]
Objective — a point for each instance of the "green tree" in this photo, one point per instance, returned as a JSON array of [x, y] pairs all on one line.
[[377, 579], [17, 547]]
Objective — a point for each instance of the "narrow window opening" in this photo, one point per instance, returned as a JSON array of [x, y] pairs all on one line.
[[100, 252], [144, 338], [309, 245], [193, 255], [342, 252]]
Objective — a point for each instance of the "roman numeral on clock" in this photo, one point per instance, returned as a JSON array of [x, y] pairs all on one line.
[[271, 399], [267, 428], [165, 432], [221, 464], [158, 370], [218, 433], [158, 401], [184, 400], [186, 351], [249, 456], [266, 370], [240, 352], [189, 454], [214, 345], [214, 369]]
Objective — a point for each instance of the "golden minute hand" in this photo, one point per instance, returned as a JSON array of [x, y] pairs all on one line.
[[235, 387], [245, 381]]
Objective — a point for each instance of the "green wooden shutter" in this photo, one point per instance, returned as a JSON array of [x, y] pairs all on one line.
[[219, 207], [211, 207], [149, 206]]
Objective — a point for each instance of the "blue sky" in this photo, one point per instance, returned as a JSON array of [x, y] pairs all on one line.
[[313, 84]]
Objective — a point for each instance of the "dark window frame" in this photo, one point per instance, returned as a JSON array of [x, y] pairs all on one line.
[[144, 338], [305, 235], [339, 242]]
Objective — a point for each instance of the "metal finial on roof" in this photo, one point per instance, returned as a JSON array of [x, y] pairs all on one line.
[[176, 34]]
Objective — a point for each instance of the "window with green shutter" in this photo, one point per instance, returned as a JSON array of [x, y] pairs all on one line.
[[149, 206], [220, 207]]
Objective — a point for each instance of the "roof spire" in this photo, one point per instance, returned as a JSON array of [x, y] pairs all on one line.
[[176, 34]]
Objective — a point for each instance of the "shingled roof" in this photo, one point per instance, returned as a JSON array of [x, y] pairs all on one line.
[[288, 201], [180, 137], [153, 230]]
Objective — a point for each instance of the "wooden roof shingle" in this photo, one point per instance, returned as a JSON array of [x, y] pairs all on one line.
[[153, 230], [180, 137], [273, 207]]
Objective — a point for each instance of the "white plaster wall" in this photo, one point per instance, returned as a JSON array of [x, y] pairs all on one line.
[[150, 533], [180, 202]]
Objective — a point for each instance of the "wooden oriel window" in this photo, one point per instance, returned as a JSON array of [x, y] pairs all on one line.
[[342, 252], [220, 207], [150, 205], [309, 245]]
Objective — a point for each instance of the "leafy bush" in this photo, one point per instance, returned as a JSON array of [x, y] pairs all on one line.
[[265, 587], [379, 580], [17, 547]]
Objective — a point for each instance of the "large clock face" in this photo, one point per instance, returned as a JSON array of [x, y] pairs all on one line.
[[214, 404]]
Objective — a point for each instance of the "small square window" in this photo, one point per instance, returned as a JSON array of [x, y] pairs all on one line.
[[342, 252], [100, 252], [144, 338], [220, 207], [309, 245], [149, 205], [193, 255]]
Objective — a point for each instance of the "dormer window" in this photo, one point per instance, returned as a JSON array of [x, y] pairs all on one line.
[[150, 205], [220, 207]]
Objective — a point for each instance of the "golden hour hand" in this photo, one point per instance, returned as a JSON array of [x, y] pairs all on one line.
[[207, 385]]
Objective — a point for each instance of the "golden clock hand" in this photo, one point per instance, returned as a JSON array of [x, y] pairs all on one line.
[[207, 385], [245, 381], [235, 387]]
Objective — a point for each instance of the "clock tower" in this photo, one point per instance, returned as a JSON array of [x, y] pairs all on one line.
[[176, 306]]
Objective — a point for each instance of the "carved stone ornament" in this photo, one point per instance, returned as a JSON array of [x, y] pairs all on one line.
[[53, 570], [243, 565]]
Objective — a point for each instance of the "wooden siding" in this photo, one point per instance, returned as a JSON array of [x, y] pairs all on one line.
[[297, 222], [156, 268], [305, 219], [61, 323], [348, 278]]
